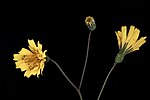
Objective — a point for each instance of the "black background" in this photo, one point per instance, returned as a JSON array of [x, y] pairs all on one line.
[[60, 28]]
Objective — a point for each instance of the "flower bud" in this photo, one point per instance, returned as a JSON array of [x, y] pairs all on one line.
[[90, 22]]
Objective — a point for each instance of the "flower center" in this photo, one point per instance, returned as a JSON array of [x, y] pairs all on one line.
[[32, 61]]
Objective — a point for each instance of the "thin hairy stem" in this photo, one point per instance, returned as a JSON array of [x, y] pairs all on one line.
[[67, 79], [106, 81], [85, 63]]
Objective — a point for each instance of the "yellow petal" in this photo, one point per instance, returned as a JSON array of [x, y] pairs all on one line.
[[139, 43], [42, 66], [33, 50], [25, 52], [32, 44], [27, 73], [17, 57], [38, 73], [44, 55], [131, 30], [39, 46], [22, 66], [118, 34], [134, 38], [34, 71], [18, 63], [40, 54], [124, 32]]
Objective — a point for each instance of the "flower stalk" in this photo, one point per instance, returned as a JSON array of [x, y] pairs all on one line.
[[78, 90], [127, 43]]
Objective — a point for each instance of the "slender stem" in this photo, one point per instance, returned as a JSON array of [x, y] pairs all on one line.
[[79, 92], [87, 52], [64, 74], [106, 81], [67, 78]]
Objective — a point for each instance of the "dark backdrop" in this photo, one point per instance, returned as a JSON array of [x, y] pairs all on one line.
[[60, 27]]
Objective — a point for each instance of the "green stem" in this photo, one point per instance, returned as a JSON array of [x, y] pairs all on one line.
[[67, 78], [87, 52], [79, 92], [106, 81]]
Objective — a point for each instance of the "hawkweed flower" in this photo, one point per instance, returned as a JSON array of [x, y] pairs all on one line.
[[90, 22], [128, 42], [31, 61]]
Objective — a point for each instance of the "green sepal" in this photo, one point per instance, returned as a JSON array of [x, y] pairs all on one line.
[[47, 59], [119, 58], [92, 26]]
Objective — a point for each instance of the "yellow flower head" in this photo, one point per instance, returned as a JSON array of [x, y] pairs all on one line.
[[32, 62], [128, 42], [90, 22]]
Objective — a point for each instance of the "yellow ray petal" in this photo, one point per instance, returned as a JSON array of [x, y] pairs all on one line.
[[39, 46], [38, 73], [118, 34], [131, 30], [22, 66], [18, 63], [134, 38], [42, 66], [32, 44], [17, 57], [34, 71], [124, 33], [33, 50], [44, 55], [27, 73], [25, 52], [139, 43]]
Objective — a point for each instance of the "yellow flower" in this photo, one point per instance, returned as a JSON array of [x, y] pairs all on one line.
[[128, 42], [90, 22], [32, 62]]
